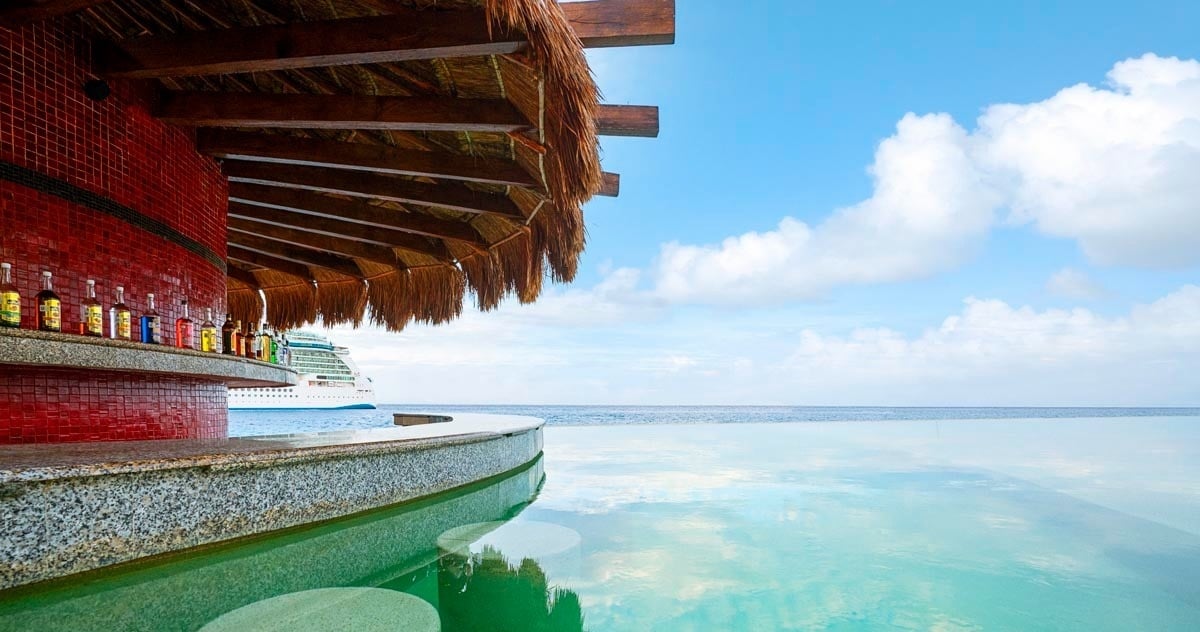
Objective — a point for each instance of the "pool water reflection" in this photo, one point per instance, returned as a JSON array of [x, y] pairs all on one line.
[[1087, 524]]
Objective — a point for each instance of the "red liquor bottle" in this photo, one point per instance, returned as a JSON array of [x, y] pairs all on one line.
[[185, 329]]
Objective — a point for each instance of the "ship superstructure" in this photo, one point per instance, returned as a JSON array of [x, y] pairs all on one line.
[[328, 379]]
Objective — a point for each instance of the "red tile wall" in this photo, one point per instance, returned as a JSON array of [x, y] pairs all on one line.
[[47, 406], [113, 148]]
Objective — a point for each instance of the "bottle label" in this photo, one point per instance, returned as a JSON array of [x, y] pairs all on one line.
[[208, 339], [10, 309], [51, 309], [150, 331], [95, 320], [125, 325]]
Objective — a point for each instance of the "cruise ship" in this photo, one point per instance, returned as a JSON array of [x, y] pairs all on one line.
[[328, 379]]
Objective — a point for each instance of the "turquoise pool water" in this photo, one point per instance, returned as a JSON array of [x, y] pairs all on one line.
[[1064, 524]]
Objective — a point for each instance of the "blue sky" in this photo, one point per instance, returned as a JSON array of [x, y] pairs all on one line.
[[1048, 253]]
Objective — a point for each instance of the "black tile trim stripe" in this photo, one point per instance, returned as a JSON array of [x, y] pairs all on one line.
[[83, 197]]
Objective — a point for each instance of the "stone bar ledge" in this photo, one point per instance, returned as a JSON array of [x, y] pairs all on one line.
[[69, 508], [31, 348]]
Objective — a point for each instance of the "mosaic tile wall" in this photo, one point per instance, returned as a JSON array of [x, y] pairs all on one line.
[[166, 235], [49, 406]]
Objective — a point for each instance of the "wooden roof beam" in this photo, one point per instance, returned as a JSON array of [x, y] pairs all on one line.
[[330, 111], [358, 211], [360, 156], [611, 23], [610, 184], [372, 185], [343, 111], [245, 276], [338, 228], [20, 12], [331, 245], [403, 35], [255, 244], [627, 120], [249, 257]]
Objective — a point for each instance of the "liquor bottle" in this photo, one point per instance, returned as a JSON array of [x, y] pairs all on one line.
[[264, 343], [185, 329], [49, 307], [251, 342], [93, 313], [208, 333], [228, 336], [285, 354], [120, 319], [239, 345], [275, 346], [10, 298], [151, 327]]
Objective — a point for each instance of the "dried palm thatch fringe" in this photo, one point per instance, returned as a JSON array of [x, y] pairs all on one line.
[[341, 301], [290, 305], [245, 303], [562, 237], [571, 101], [437, 292], [572, 98]]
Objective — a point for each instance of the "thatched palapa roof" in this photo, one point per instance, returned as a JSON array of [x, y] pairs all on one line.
[[386, 156]]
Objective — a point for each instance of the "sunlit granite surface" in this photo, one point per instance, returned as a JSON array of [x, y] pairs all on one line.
[[74, 507]]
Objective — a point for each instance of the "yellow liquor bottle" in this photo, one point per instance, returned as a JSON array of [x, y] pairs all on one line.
[[49, 306], [208, 333], [93, 313], [120, 319], [10, 298]]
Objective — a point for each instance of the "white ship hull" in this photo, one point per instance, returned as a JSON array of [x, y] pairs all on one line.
[[303, 396], [329, 380]]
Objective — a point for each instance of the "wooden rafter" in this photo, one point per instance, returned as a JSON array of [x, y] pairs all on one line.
[[18, 12], [330, 111], [325, 243], [404, 35], [372, 185], [243, 275], [627, 120], [360, 156], [249, 257], [309, 257], [610, 185], [339, 228], [358, 211]]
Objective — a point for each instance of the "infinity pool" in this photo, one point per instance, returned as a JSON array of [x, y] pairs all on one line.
[[1079, 524]]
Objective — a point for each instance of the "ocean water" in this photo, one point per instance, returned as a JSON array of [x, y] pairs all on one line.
[[246, 423], [1060, 522]]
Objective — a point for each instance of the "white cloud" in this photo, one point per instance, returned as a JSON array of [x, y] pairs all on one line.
[[994, 353], [989, 353], [1075, 284], [930, 207], [1112, 168]]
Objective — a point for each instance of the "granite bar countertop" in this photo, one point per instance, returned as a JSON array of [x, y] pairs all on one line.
[[43, 462], [42, 349]]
